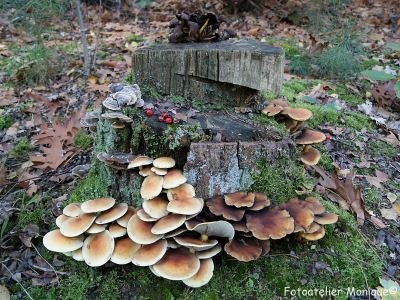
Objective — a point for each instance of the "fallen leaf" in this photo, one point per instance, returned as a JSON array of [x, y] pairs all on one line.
[[392, 197], [389, 214], [4, 293]]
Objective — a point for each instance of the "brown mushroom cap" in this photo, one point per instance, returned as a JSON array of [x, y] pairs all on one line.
[[260, 201], [177, 264], [315, 236], [314, 204], [194, 243], [146, 171], [142, 215], [203, 276], [156, 207], [60, 219], [112, 214], [314, 227], [186, 206], [164, 162], [240, 199], [139, 161], [326, 218], [217, 206], [148, 255], [310, 156], [116, 230], [185, 190], [72, 210], [151, 187], [240, 226], [281, 102], [243, 248], [214, 228], [173, 179], [209, 252], [309, 136], [124, 251], [123, 221], [298, 114], [76, 226], [97, 205], [159, 171], [168, 223], [98, 248], [96, 228], [77, 254], [56, 242], [140, 231], [175, 232], [303, 216], [273, 223], [272, 109]]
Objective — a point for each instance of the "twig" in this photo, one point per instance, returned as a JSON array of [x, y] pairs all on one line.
[[83, 37], [51, 266], [26, 292]]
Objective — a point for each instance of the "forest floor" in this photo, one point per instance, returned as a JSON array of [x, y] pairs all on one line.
[[343, 63]]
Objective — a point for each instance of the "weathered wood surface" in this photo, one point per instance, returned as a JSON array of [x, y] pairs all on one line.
[[229, 71]]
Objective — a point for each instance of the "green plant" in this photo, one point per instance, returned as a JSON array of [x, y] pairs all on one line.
[[135, 38], [83, 141], [21, 150], [6, 121]]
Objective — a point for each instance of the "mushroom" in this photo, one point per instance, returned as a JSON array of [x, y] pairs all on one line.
[[56, 242], [77, 254], [156, 207], [209, 252], [317, 235], [295, 117], [98, 248], [97, 205], [309, 136], [326, 218], [118, 119], [215, 229], [196, 243], [240, 199], [152, 186], [123, 221], [159, 171], [302, 215], [260, 201], [148, 255], [60, 219], [168, 223], [203, 276], [244, 248], [142, 215], [72, 210], [96, 228], [164, 162], [314, 204], [217, 206], [111, 104], [112, 214], [116, 230], [124, 251], [186, 206], [275, 107], [76, 226], [146, 171], [177, 264], [140, 231], [273, 223], [185, 190], [310, 156], [173, 179], [140, 161]]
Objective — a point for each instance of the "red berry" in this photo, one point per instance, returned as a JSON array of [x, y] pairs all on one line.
[[165, 115], [327, 137], [148, 112], [160, 119], [169, 120]]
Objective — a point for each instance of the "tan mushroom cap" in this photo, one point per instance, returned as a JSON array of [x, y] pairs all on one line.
[[156, 207], [214, 228], [310, 156], [186, 206], [260, 201], [175, 232], [140, 231], [112, 214], [209, 252], [309, 136], [244, 248], [146, 171], [168, 223], [217, 206], [98, 248], [72, 210], [151, 187], [314, 204], [173, 179], [142, 215], [240, 226], [197, 244], [326, 218], [314, 227], [273, 223], [177, 264], [123, 221], [298, 114], [280, 102], [164, 162], [203, 276], [148, 255], [172, 244], [240, 199], [77, 254], [96, 228], [185, 190], [139, 161], [159, 171], [302, 215], [292, 125], [315, 236], [60, 219], [272, 110], [97, 205], [124, 251], [76, 226], [56, 242], [116, 230]]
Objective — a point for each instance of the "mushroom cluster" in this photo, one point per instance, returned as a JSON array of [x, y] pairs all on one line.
[[294, 120], [123, 95], [256, 223]]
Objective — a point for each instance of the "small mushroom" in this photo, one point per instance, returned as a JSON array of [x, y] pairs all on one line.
[[315, 236], [196, 243], [124, 251], [310, 156], [146, 171], [164, 162], [77, 254], [185, 190], [97, 205], [214, 229], [244, 248], [72, 210], [56, 242], [314, 204], [151, 187], [148, 255], [76, 226], [186, 206], [209, 252], [111, 104], [156, 207], [140, 231], [309, 136], [173, 179], [298, 114], [96, 228], [60, 219], [302, 215], [217, 206], [240, 199], [98, 248], [159, 171], [142, 215], [203, 276], [112, 214], [326, 218], [116, 230], [168, 223], [140, 161], [260, 201], [123, 221]]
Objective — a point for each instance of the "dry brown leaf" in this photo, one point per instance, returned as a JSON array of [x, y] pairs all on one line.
[[7, 98]]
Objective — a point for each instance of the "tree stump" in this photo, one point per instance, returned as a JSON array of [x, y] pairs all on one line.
[[229, 72]]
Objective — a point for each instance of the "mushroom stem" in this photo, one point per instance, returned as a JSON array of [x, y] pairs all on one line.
[[204, 237]]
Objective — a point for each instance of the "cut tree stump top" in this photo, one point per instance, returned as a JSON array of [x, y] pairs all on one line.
[[219, 70]]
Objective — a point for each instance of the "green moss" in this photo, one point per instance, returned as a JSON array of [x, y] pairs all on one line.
[[326, 161], [149, 92], [292, 88], [322, 114], [21, 150], [357, 121], [372, 198], [135, 38], [381, 149], [269, 95], [178, 100], [279, 128], [6, 121], [83, 141], [180, 136], [348, 96], [129, 78]]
